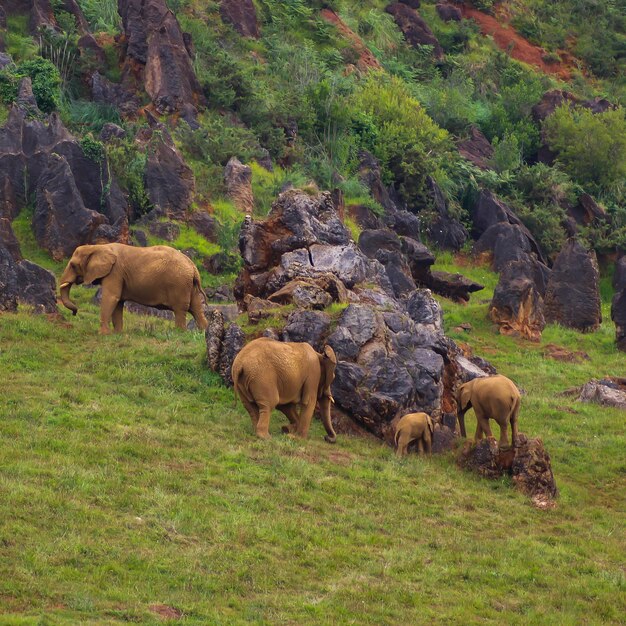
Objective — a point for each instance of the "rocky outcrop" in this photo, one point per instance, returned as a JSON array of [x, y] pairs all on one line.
[[117, 95], [517, 305], [476, 149], [23, 282], [415, 30], [40, 13], [238, 183], [448, 12], [587, 211], [572, 295], [393, 356], [76, 199], [157, 54], [443, 230], [169, 181], [370, 175], [607, 392], [528, 464], [241, 15], [556, 98], [408, 263]]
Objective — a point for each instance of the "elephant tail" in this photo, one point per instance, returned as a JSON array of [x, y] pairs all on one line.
[[430, 424], [197, 285], [513, 417]]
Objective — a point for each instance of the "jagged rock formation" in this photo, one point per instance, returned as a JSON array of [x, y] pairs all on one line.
[[448, 12], [607, 392], [241, 14], [392, 354], [572, 296], [170, 183], [76, 200], [158, 54], [476, 149]]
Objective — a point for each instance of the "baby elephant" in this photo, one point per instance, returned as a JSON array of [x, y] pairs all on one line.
[[411, 427]]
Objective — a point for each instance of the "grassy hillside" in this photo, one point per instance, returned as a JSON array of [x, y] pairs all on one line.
[[131, 487]]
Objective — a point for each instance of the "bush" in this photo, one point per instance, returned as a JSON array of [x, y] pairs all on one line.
[[591, 148], [45, 79], [409, 145]]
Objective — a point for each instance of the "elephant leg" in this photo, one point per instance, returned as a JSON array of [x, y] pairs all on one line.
[[118, 312], [306, 415], [180, 319], [428, 443], [479, 431], [253, 411], [404, 439], [504, 435], [291, 412], [484, 425], [107, 307], [420, 446], [263, 425], [196, 309]]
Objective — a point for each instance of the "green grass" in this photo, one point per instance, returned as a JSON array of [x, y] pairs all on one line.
[[129, 478], [23, 229]]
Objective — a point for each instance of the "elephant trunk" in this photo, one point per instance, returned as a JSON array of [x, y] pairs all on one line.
[[325, 402], [65, 298]]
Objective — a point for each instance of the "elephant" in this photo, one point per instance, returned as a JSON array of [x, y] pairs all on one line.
[[494, 397], [411, 427], [156, 276], [269, 374]]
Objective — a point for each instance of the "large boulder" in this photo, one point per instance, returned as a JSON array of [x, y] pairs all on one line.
[[159, 52], [117, 95], [572, 295], [415, 30], [528, 464], [169, 181], [241, 14], [476, 149], [448, 12], [517, 306], [370, 176], [606, 392], [26, 283]]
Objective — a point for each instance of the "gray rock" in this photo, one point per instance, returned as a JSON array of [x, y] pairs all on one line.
[[214, 335], [595, 391], [234, 340], [468, 370], [307, 326]]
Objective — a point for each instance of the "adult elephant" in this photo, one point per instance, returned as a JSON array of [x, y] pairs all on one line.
[[494, 397], [157, 276], [291, 377]]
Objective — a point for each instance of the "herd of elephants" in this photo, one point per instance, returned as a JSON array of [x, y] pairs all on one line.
[[267, 374]]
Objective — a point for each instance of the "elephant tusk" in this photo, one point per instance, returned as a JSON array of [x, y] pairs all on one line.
[[63, 285], [331, 398]]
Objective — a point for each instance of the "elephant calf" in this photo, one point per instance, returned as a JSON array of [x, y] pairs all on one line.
[[288, 376], [494, 397], [411, 427]]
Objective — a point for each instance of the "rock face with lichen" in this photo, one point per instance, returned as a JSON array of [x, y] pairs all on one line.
[[393, 356]]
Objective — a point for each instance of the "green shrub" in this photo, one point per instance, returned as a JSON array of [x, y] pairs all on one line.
[[591, 148], [102, 15], [506, 154], [92, 148], [45, 78], [410, 145], [128, 165]]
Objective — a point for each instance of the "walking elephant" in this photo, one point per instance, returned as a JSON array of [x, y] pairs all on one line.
[[156, 276], [291, 377], [491, 397], [411, 427]]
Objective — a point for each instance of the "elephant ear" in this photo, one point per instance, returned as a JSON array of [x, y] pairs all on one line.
[[99, 264], [328, 363], [430, 424], [464, 397]]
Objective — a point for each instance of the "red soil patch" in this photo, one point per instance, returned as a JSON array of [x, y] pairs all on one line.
[[559, 353], [366, 59], [518, 47]]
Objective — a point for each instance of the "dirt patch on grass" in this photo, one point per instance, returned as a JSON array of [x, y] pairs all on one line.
[[558, 353], [165, 611], [509, 40]]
